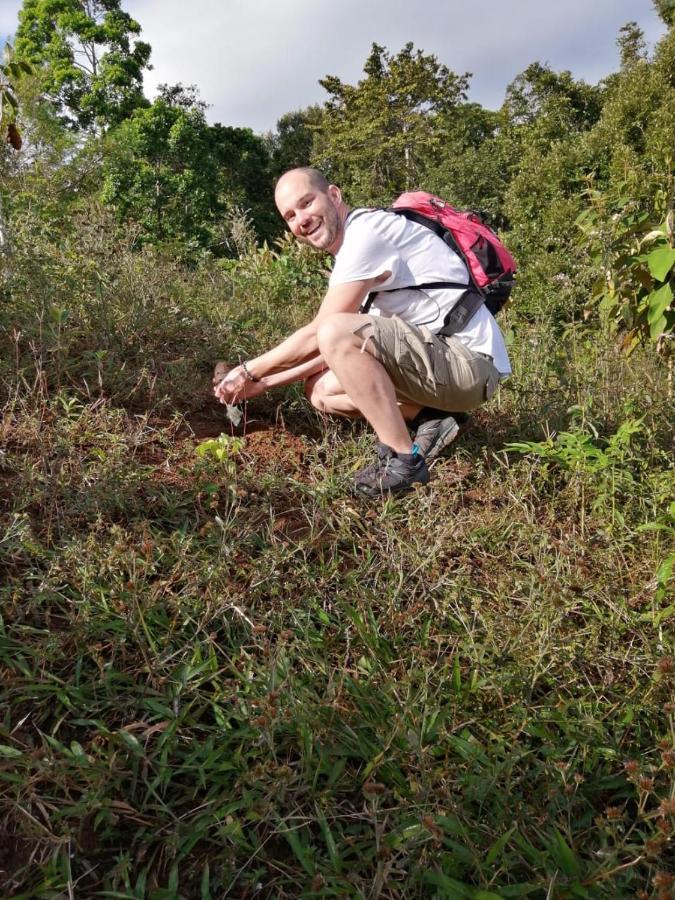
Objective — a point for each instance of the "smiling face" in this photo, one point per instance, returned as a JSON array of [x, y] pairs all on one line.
[[313, 210]]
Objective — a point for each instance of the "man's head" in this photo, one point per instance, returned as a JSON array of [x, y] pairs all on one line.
[[312, 208]]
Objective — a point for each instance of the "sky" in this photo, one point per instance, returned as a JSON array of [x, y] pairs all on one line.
[[254, 60]]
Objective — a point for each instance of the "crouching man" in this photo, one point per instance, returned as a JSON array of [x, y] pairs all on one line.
[[390, 365]]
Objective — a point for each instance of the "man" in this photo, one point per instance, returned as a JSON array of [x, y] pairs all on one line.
[[389, 366]]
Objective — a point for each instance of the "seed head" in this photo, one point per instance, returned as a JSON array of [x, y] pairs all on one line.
[[13, 136], [318, 882], [373, 787], [654, 846], [646, 784], [613, 813], [632, 767], [662, 880], [666, 665], [667, 808], [664, 826]]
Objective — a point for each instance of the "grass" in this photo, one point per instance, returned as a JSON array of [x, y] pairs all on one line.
[[224, 676]]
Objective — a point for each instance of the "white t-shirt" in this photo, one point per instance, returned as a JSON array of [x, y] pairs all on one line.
[[376, 242]]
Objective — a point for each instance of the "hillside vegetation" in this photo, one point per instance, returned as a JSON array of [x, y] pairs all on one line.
[[221, 674]]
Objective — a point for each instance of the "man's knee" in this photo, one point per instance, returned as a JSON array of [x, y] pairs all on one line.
[[335, 331], [313, 391]]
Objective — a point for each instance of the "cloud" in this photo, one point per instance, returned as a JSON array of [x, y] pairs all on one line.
[[254, 60]]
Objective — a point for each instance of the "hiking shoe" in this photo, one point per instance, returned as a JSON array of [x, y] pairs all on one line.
[[437, 432], [392, 473]]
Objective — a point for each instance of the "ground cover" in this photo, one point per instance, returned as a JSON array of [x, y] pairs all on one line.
[[222, 675]]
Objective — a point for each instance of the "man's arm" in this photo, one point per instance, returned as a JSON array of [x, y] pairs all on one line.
[[252, 389], [303, 343], [300, 347]]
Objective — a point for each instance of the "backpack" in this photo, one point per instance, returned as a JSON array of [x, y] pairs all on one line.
[[490, 265]]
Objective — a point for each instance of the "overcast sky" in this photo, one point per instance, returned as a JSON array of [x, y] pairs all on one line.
[[254, 60]]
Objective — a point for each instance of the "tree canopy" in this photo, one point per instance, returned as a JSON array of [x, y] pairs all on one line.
[[90, 65], [384, 134]]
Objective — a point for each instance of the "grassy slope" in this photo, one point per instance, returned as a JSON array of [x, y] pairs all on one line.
[[226, 677]]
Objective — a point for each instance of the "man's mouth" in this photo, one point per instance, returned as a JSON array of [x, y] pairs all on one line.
[[313, 229]]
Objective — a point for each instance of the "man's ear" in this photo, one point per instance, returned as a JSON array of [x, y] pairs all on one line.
[[335, 194]]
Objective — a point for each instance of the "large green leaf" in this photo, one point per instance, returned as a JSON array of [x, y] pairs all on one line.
[[659, 301], [563, 854], [661, 261]]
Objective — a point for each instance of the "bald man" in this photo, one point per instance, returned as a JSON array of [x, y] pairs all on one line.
[[388, 366]]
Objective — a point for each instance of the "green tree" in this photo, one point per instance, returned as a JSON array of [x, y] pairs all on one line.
[[90, 67], [10, 73], [291, 144], [384, 134], [176, 176], [554, 100], [666, 10], [632, 46]]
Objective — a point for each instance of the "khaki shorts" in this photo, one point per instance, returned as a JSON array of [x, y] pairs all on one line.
[[428, 369]]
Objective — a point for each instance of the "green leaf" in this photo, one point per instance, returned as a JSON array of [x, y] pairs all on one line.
[[496, 849], [563, 855], [301, 852], [657, 328], [659, 301], [205, 886], [333, 851], [454, 888], [9, 752], [660, 262]]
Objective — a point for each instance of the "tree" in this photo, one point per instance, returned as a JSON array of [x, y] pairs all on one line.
[[382, 135], [89, 66], [10, 72], [631, 43], [292, 143], [552, 98], [175, 175], [666, 10]]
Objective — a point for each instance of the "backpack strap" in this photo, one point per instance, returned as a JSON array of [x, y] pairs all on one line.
[[461, 313], [472, 298]]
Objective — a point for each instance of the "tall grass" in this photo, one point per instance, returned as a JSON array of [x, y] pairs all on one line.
[[224, 676]]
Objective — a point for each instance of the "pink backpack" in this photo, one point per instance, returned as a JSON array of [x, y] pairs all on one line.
[[491, 267]]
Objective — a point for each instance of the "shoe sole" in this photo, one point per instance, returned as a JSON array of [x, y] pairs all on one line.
[[377, 493], [443, 440]]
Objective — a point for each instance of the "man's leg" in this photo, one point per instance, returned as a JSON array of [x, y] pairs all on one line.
[[326, 394], [363, 378], [367, 385]]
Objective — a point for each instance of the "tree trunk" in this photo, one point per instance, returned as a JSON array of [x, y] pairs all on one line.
[[5, 244]]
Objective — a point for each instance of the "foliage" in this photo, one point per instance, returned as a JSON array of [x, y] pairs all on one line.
[[381, 136], [221, 675], [637, 255], [292, 142], [91, 68], [10, 71], [551, 100], [238, 677], [173, 174]]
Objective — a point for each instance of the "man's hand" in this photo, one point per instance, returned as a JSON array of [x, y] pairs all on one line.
[[237, 386]]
